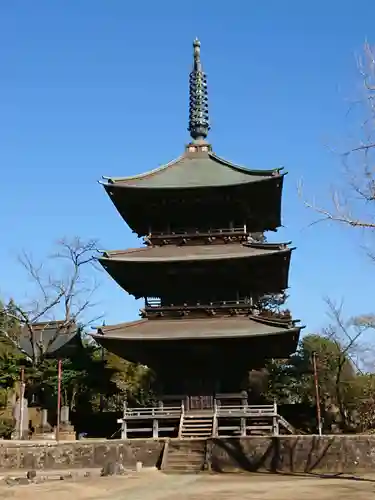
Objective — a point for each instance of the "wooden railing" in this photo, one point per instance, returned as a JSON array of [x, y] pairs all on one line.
[[159, 412], [245, 410], [228, 420], [194, 233], [155, 303], [181, 420]]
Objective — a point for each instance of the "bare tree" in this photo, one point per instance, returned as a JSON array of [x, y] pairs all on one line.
[[347, 336], [353, 203], [61, 295]]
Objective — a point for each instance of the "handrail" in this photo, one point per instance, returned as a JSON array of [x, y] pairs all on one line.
[[205, 232], [156, 304], [181, 420], [214, 420], [246, 410], [154, 411], [286, 425]]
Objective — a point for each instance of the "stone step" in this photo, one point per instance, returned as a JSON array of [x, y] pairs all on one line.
[[182, 471], [187, 467], [185, 464], [188, 452], [188, 447], [185, 458]]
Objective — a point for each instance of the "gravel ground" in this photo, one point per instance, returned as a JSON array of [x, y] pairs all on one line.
[[153, 485]]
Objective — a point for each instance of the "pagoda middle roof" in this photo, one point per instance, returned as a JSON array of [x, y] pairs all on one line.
[[195, 170], [195, 252]]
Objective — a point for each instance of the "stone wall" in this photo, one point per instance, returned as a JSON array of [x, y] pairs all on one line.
[[78, 454], [289, 454], [294, 454]]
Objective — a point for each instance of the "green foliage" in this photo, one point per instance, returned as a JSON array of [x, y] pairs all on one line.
[[340, 387], [9, 369], [6, 427], [92, 380], [9, 327], [131, 379]]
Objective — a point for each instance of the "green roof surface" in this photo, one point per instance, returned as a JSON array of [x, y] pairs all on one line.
[[192, 170]]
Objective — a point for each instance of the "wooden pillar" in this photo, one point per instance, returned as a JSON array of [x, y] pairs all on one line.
[[124, 424], [155, 428], [275, 420], [243, 427], [275, 426], [244, 403], [215, 424], [124, 429], [244, 400]]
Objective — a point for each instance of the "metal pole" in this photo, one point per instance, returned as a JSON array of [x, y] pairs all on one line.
[[59, 370], [317, 397], [22, 397]]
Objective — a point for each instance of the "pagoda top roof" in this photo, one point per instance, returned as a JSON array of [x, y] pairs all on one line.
[[196, 168], [195, 252], [180, 329]]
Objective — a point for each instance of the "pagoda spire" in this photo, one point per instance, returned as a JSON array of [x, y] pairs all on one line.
[[198, 108]]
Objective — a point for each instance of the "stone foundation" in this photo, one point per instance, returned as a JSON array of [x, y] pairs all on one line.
[[288, 454], [78, 454], [294, 454]]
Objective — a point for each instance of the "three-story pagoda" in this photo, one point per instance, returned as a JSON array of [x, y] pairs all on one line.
[[203, 267]]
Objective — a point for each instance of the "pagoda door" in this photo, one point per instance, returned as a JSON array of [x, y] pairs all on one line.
[[200, 402]]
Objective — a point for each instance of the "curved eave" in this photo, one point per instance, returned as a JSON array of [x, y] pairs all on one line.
[[116, 183], [142, 208], [208, 156], [240, 168], [152, 349], [176, 259], [160, 337], [265, 273]]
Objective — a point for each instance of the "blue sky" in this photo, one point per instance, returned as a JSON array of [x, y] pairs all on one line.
[[94, 87]]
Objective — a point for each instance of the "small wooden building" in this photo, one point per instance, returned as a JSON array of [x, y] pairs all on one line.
[[202, 269]]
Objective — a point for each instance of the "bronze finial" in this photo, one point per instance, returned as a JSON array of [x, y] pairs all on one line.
[[197, 55], [198, 106]]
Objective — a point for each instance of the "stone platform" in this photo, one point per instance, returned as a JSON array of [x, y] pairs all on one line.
[[289, 454]]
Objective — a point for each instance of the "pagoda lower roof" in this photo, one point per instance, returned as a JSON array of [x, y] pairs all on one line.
[[195, 252], [196, 168], [193, 344], [199, 328]]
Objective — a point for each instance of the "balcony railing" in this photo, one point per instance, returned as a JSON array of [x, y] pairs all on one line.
[[156, 303], [227, 420]]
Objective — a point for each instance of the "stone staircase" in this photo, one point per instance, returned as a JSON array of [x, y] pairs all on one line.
[[196, 425], [184, 456]]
